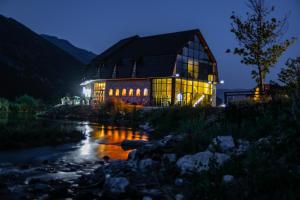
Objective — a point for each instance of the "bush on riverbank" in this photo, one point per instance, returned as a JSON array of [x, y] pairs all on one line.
[[269, 170], [24, 136], [23, 103]]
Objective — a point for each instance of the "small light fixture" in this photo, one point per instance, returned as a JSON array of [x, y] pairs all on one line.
[[209, 82], [222, 81], [177, 75]]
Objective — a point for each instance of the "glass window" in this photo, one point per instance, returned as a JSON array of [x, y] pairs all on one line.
[[146, 92], [111, 92], [123, 92], [138, 92], [130, 92], [117, 92]]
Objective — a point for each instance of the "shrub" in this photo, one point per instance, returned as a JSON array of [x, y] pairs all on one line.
[[27, 103], [4, 105]]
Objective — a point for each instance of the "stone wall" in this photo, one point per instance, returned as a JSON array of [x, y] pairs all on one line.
[[129, 84]]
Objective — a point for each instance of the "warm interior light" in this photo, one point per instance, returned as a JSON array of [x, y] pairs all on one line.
[[117, 92], [124, 92], [145, 92], [111, 92], [138, 92], [130, 92]]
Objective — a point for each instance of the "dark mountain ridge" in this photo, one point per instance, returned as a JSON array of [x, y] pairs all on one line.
[[82, 55], [30, 64]]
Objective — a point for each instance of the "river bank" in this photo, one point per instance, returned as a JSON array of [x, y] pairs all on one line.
[[241, 152]]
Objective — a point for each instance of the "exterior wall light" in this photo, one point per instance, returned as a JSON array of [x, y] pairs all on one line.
[[222, 81]]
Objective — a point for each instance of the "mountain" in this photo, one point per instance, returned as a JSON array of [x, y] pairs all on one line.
[[30, 64], [82, 55]]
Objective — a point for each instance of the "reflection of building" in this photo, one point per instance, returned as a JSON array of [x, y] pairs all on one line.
[[161, 70]]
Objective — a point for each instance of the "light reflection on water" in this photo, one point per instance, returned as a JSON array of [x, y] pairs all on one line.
[[105, 141], [100, 141]]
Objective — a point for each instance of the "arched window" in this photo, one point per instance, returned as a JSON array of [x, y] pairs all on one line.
[[146, 92], [117, 92], [130, 92], [138, 92], [111, 92], [124, 92]]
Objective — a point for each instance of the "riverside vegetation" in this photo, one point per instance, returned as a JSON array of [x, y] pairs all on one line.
[[248, 150], [28, 132]]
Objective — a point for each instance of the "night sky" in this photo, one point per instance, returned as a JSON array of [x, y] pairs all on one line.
[[96, 25]]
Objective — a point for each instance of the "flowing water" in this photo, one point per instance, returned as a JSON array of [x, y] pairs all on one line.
[[100, 141]]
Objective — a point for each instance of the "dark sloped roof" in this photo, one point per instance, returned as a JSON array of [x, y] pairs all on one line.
[[155, 55]]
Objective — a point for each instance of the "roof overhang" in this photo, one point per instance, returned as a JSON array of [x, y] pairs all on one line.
[[90, 81]]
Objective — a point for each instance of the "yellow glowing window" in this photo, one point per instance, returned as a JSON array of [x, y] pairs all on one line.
[[210, 77], [146, 92], [130, 92], [111, 92], [117, 92], [124, 92], [138, 92]]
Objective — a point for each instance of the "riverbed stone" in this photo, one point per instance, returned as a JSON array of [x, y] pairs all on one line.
[[223, 143], [132, 144], [228, 178], [116, 184], [200, 161]]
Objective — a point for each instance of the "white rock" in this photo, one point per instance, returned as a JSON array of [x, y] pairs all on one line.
[[116, 184], [228, 178], [224, 143], [147, 198], [179, 181], [132, 155], [200, 161], [243, 146], [179, 197]]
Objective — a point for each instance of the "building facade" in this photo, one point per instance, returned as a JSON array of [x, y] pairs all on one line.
[[161, 70]]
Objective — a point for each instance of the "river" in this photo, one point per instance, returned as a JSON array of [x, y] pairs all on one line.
[[100, 141]]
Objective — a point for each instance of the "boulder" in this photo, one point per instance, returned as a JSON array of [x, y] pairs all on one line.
[[200, 161], [116, 184], [169, 157], [179, 182], [132, 155], [223, 143], [147, 198], [179, 197], [228, 178], [147, 127], [132, 144], [147, 164], [243, 146]]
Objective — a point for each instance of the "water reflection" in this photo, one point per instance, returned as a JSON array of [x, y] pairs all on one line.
[[105, 141]]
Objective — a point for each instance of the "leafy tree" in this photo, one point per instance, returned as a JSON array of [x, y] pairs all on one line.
[[27, 103], [260, 39], [296, 100], [288, 75]]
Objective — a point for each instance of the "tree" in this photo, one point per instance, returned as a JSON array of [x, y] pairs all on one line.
[[288, 75], [260, 39]]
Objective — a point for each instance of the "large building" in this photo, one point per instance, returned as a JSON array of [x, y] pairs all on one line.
[[160, 70]]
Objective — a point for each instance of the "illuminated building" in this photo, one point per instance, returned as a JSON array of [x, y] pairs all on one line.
[[160, 70]]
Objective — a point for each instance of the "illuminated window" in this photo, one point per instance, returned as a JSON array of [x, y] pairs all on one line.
[[138, 92], [117, 92], [131, 92], [145, 92], [124, 92], [111, 92]]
